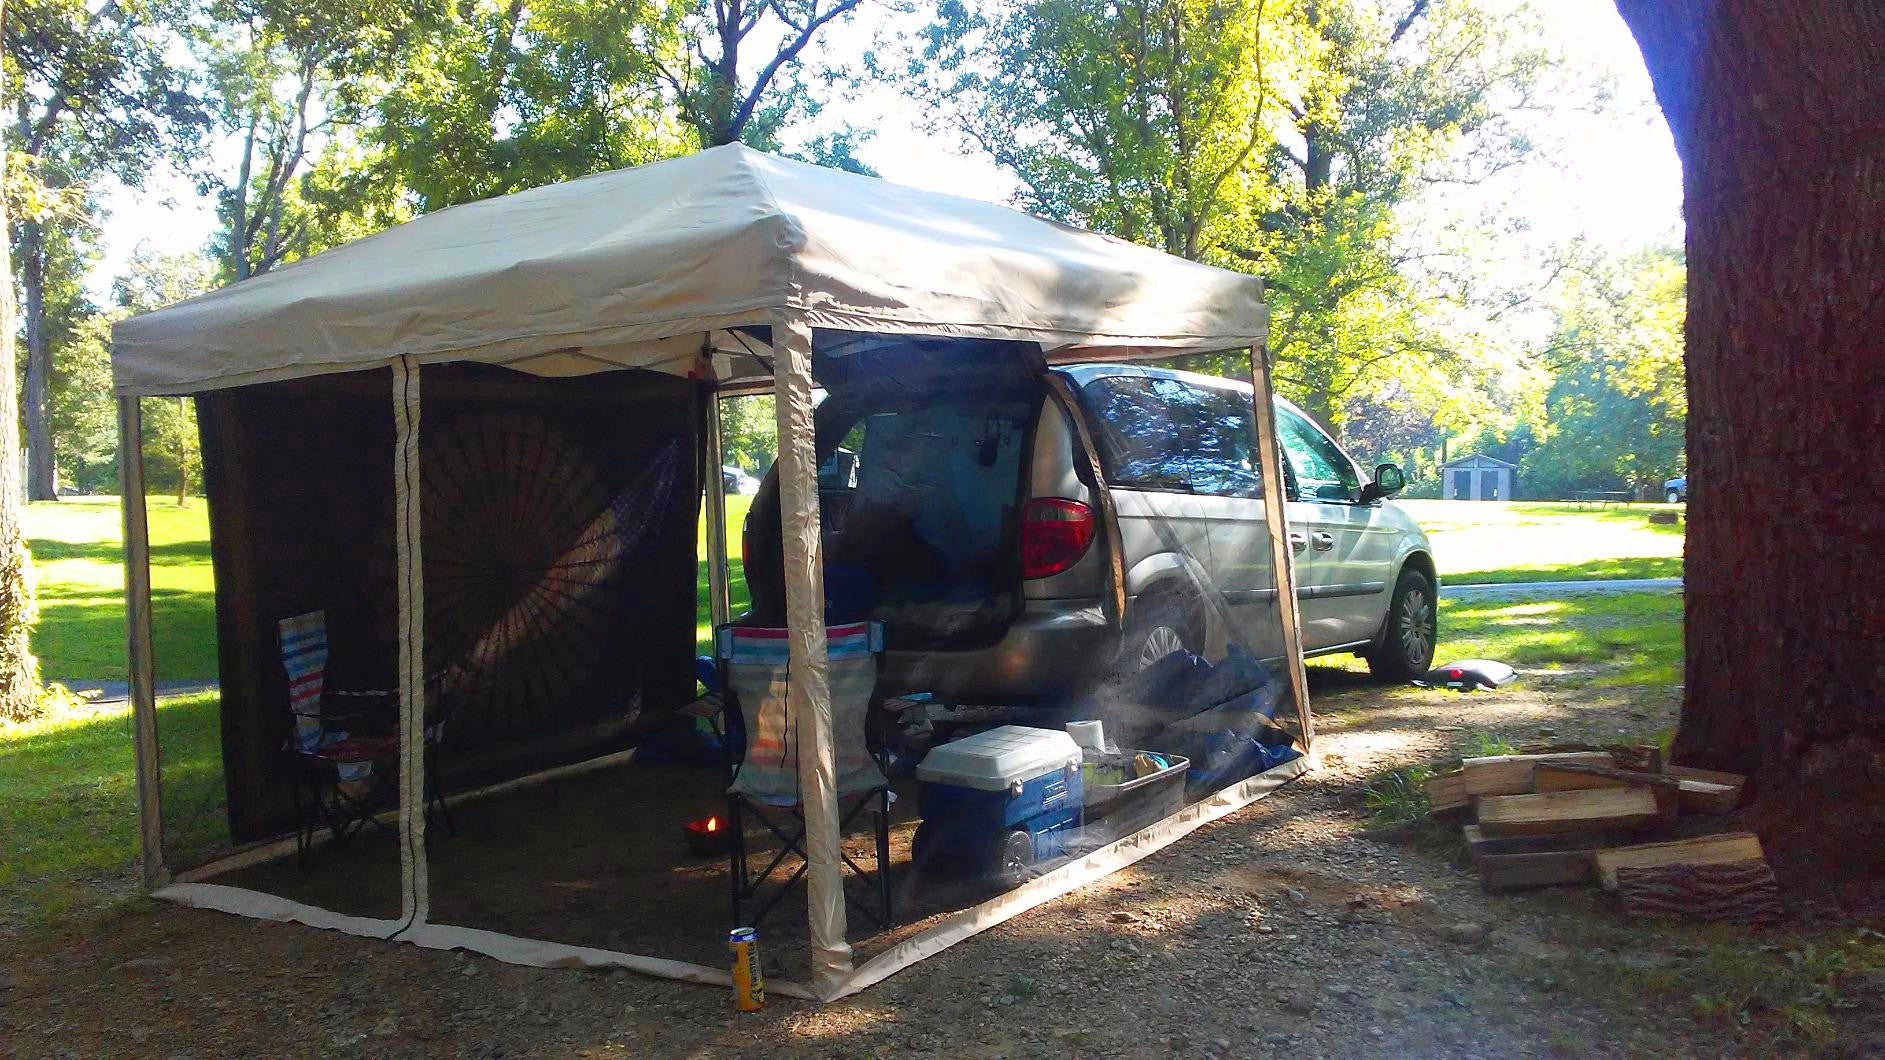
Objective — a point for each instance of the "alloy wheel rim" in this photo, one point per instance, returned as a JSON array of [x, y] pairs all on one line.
[[1160, 642], [1417, 627]]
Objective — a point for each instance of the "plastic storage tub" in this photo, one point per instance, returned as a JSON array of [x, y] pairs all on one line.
[[1121, 809], [1000, 800]]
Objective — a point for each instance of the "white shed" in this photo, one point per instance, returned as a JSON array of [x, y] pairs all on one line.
[[1477, 478]]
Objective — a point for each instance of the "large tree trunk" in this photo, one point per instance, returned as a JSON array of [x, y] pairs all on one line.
[[40, 480], [1779, 116], [19, 672]]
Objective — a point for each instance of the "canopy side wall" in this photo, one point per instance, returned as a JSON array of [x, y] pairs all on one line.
[[298, 477]]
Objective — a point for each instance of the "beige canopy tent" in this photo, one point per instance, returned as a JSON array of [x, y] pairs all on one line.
[[678, 267]]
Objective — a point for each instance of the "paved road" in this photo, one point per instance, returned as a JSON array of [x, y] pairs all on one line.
[[114, 692], [1552, 590]]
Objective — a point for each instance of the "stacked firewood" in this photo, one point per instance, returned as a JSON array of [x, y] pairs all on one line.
[[1654, 834]]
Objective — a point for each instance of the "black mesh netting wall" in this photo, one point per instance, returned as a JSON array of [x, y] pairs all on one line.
[[559, 521]]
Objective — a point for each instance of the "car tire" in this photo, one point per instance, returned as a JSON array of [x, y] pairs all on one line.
[[1412, 629], [1160, 625], [1674, 497]]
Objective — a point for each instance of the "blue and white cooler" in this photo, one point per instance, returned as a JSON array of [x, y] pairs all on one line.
[[999, 801]]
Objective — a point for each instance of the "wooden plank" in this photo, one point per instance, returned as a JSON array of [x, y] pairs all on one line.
[[1744, 891], [1705, 850], [1643, 758], [1447, 793], [1708, 790], [1536, 861], [1570, 776], [1512, 774], [141, 663], [1566, 811]]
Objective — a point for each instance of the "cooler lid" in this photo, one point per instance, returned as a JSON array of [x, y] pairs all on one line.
[[992, 760]]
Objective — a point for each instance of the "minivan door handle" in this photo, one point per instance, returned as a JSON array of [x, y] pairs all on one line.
[[1298, 540], [1324, 542]]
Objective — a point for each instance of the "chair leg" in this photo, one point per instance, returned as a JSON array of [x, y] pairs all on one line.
[[306, 822], [436, 795]]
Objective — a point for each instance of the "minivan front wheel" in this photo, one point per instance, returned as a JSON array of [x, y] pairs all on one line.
[[1406, 649]]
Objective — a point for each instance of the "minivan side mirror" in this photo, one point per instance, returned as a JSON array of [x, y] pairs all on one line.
[[1388, 480]]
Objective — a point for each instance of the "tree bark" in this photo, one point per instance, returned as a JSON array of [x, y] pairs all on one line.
[[19, 671], [1779, 117], [41, 483]]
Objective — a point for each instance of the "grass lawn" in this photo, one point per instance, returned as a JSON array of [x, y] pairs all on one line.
[[77, 554], [1489, 542], [1597, 640], [68, 805]]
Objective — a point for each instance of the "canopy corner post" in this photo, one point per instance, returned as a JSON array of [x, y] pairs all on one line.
[[1283, 560], [415, 898], [808, 691], [140, 660], [719, 603]]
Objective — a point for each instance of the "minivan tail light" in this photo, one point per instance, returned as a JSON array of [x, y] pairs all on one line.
[[1055, 533]]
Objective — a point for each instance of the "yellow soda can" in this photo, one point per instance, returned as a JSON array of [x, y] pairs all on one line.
[[749, 986]]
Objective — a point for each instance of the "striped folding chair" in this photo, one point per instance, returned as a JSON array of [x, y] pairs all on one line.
[[345, 761], [763, 767]]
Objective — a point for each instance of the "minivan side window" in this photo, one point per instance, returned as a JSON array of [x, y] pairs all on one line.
[[1164, 434], [1322, 472]]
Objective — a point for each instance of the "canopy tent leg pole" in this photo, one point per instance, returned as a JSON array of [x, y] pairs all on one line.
[[141, 662], [414, 896], [808, 693], [1283, 561], [719, 604]]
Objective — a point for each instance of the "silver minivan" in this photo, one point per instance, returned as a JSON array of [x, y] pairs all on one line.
[[965, 515]]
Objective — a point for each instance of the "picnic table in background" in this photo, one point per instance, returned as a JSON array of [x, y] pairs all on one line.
[[1602, 498]]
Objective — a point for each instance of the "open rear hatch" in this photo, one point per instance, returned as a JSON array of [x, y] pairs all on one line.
[[922, 448]]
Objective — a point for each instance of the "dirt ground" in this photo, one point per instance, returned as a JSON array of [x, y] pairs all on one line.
[[1295, 924]]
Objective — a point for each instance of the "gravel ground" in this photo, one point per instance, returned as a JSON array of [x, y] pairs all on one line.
[[1293, 925]]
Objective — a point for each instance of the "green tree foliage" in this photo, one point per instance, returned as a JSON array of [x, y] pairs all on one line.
[[1141, 118], [1616, 409], [1279, 136], [495, 97], [289, 85], [172, 448], [1397, 426], [749, 433], [84, 416], [93, 92], [709, 76]]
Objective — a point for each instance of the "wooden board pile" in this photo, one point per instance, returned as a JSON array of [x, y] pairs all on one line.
[[1619, 817]]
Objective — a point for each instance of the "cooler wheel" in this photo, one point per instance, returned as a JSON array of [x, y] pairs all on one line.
[[1014, 856]]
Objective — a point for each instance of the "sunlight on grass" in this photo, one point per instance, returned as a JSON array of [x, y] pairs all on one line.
[[1490, 542], [68, 802], [1631, 638], [77, 548]]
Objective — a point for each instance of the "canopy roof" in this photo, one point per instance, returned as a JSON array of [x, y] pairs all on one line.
[[629, 269]]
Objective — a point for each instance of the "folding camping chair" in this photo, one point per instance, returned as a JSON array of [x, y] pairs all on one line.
[[345, 762], [762, 760]]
